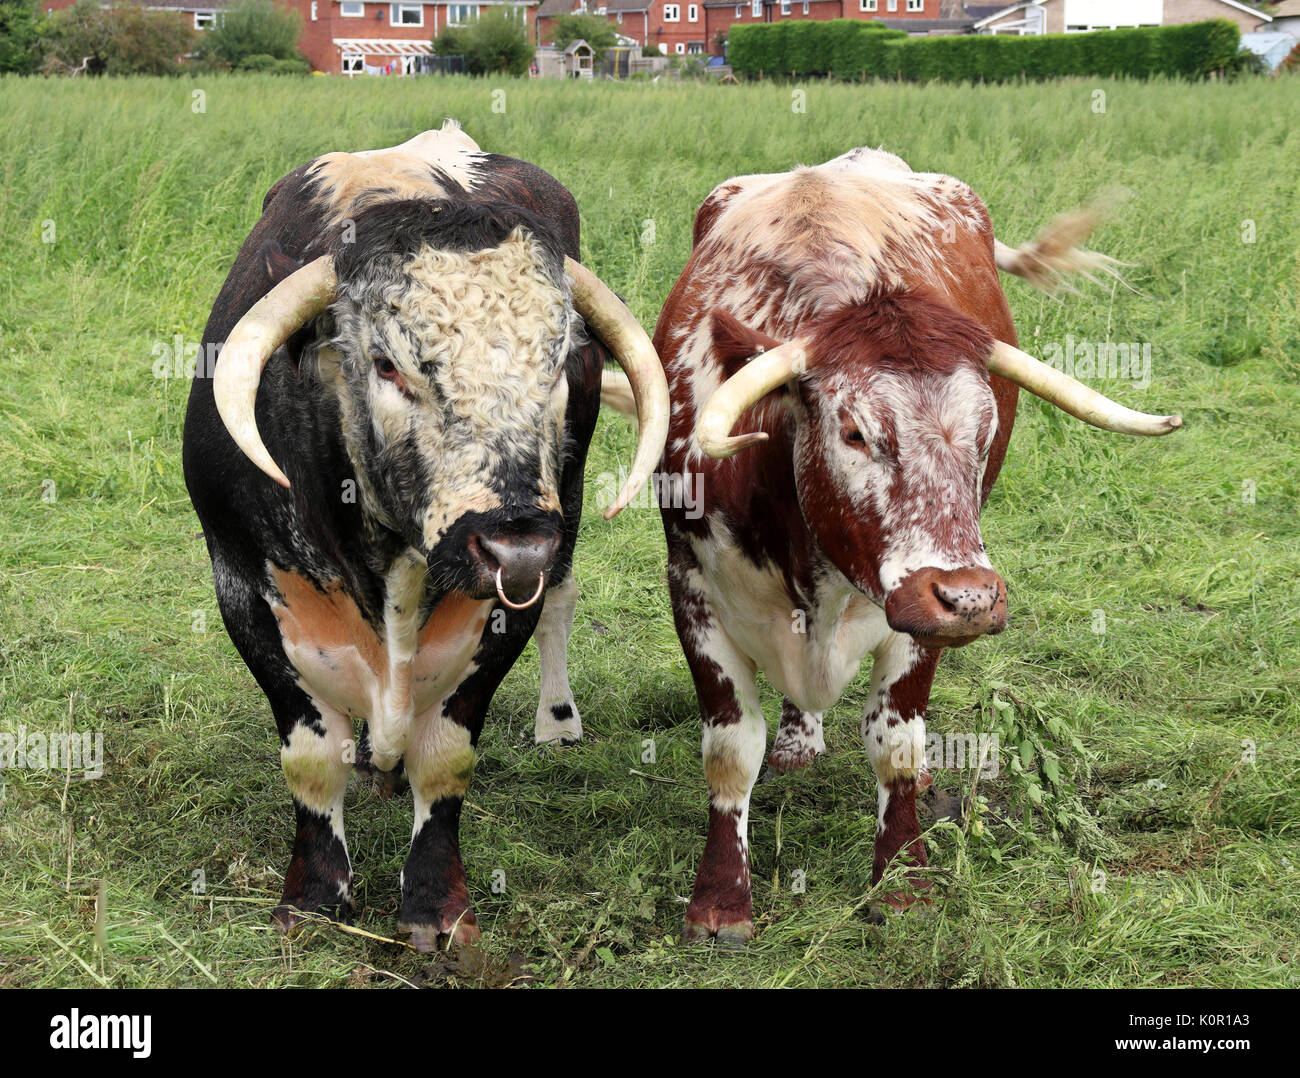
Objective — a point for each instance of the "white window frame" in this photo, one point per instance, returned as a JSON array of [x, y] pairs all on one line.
[[680, 48], [209, 20], [692, 12], [867, 5], [740, 11], [346, 14], [915, 5], [756, 9], [805, 7], [466, 16], [672, 12], [891, 5], [314, 15], [395, 14], [785, 7], [358, 59]]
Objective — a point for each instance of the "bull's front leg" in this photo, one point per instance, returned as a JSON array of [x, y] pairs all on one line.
[[734, 738], [439, 763], [435, 895], [316, 759], [557, 714], [316, 754], [893, 730]]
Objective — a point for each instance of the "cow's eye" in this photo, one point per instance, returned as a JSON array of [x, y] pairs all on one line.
[[855, 437]]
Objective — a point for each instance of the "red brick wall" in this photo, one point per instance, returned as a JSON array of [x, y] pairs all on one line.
[[656, 30]]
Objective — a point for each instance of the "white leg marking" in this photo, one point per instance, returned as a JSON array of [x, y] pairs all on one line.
[[557, 715]]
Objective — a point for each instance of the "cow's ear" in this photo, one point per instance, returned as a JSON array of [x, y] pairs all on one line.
[[734, 343]]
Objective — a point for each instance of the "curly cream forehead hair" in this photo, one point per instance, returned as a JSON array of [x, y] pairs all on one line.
[[478, 340]]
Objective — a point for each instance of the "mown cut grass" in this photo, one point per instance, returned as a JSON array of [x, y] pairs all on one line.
[[107, 613]]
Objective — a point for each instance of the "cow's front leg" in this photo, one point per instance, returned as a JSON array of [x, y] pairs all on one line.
[[893, 730], [557, 715], [798, 740], [316, 759], [734, 738]]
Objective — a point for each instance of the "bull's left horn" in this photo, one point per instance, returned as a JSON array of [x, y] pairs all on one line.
[[1058, 388], [613, 323], [270, 322], [749, 385]]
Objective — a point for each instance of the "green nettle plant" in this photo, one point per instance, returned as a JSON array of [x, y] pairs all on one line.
[[1042, 767]]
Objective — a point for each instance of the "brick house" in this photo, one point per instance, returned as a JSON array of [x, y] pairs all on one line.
[[357, 37], [690, 29], [1078, 16]]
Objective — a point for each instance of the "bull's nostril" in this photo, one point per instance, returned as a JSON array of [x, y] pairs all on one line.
[[479, 551]]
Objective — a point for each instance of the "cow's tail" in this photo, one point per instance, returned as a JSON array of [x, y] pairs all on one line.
[[616, 393], [1055, 253]]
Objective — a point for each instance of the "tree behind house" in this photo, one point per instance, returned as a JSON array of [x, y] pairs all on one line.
[[595, 30], [494, 43], [251, 31]]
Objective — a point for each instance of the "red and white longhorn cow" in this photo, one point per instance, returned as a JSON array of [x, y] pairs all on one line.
[[873, 418]]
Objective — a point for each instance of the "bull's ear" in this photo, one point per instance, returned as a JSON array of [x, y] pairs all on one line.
[[277, 264], [734, 343]]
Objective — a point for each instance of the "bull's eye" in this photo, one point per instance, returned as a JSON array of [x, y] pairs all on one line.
[[387, 370], [855, 437]]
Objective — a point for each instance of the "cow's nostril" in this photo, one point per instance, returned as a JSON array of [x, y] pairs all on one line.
[[944, 601]]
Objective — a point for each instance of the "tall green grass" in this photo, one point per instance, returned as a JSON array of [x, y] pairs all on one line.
[[1187, 546]]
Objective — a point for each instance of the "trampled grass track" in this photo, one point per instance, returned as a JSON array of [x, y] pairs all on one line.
[[101, 590]]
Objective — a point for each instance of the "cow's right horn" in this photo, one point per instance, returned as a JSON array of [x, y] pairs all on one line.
[[270, 322], [1072, 396], [749, 385], [605, 313]]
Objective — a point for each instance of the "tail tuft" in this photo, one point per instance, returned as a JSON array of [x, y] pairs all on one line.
[[1054, 253]]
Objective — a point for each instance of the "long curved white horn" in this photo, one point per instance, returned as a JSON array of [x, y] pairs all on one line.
[[270, 322], [1058, 388], [613, 323], [757, 378]]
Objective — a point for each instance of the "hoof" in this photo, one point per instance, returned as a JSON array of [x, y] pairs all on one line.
[[733, 936], [915, 900], [782, 760], [429, 938], [390, 783], [287, 918], [558, 724]]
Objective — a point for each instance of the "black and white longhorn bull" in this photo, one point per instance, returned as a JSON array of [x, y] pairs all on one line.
[[388, 466]]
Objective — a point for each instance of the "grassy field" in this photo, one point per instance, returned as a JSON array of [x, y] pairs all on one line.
[[1152, 653]]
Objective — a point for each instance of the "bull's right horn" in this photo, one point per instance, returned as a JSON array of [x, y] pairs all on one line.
[[605, 313], [270, 322], [1058, 388], [749, 385]]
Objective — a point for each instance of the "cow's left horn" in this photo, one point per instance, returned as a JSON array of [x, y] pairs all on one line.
[[1058, 388], [267, 325], [613, 323], [749, 385]]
